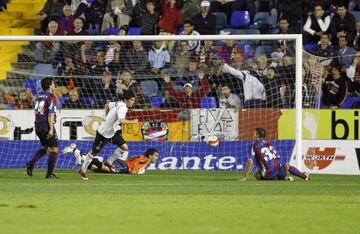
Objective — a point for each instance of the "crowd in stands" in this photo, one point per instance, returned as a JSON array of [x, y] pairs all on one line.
[[186, 71]]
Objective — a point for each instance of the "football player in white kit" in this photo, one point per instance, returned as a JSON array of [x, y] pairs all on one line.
[[110, 132]]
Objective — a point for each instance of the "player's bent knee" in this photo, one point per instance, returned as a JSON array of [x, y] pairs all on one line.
[[124, 147], [52, 149]]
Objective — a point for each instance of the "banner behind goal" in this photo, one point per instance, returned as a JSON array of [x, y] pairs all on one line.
[[235, 84]]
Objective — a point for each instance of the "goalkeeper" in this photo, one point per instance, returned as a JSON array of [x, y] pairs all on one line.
[[132, 165]]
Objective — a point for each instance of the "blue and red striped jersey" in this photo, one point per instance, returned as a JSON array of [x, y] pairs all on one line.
[[44, 106], [265, 158]]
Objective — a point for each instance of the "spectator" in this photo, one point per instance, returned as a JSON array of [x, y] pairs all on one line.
[[3, 4], [283, 45], [334, 88], [169, 101], [112, 53], [52, 46], [105, 89], [356, 43], [74, 102], [72, 48], [262, 65], [169, 21], [119, 9], [267, 6], [316, 24], [69, 79], [342, 24], [52, 10], [125, 82], [159, 57], [66, 22], [205, 21], [149, 20], [353, 4], [136, 59], [189, 74], [95, 13], [345, 54], [244, 5], [292, 11], [87, 52], [206, 53], [25, 100], [190, 8], [254, 90], [225, 6], [193, 46], [188, 98], [228, 50], [324, 49], [182, 56], [228, 99], [9, 98]]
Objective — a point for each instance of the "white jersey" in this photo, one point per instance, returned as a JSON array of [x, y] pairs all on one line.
[[111, 124]]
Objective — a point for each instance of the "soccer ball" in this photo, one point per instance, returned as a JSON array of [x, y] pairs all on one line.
[[213, 141]]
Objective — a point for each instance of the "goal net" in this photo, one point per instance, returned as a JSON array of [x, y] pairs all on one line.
[[187, 89]]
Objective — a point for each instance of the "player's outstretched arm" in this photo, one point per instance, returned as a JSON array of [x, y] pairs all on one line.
[[248, 167]]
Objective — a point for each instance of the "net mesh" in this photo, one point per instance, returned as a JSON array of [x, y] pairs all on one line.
[[236, 87]]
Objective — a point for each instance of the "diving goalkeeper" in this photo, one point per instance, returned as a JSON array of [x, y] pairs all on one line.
[[132, 165]]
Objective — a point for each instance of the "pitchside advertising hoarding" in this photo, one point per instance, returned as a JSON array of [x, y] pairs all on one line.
[[330, 157]]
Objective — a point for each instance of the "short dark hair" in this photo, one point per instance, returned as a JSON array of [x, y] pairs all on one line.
[[46, 82], [260, 132], [188, 21], [150, 152]]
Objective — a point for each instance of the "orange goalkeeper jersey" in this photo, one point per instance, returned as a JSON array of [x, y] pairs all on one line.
[[135, 164]]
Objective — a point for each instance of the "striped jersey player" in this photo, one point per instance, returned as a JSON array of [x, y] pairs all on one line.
[[267, 161]]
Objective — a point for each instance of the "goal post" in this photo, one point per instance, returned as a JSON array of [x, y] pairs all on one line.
[[254, 39]]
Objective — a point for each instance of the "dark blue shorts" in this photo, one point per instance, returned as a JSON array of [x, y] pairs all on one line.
[[281, 175], [120, 166]]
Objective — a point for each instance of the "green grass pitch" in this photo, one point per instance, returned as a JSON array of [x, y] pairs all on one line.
[[174, 202]]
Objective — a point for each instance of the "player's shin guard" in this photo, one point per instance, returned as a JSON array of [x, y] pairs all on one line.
[[87, 160], [118, 153], [296, 172]]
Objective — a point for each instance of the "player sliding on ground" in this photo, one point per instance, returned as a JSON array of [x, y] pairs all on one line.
[[110, 131], [267, 161], [132, 165]]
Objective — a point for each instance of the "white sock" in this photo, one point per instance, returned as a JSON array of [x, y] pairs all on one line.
[[77, 153], [87, 160], [118, 153]]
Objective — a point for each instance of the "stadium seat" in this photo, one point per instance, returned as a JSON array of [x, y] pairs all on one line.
[[33, 85], [157, 101], [263, 50], [11, 107], [41, 71], [61, 101], [208, 102], [240, 19], [250, 31], [221, 20], [356, 15], [89, 101], [134, 31], [111, 31], [309, 47], [149, 88], [349, 102], [247, 50], [259, 19]]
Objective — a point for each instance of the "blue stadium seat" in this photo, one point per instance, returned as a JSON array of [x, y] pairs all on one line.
[[349, 102], [149, 88], [157, 101], [240, 19], [134, 31], [33, 85], [111, 31], [309, 47], [208, 102], [61, 101], [250, 31], [259, 18], [11, 107], [89, 101], [356, 14], [221, 20], [247, 50], [42, 71]]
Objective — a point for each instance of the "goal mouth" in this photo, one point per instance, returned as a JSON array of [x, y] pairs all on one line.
[[182, 93]]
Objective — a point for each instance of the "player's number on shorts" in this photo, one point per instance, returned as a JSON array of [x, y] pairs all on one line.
[[39, 107], [269, 153]]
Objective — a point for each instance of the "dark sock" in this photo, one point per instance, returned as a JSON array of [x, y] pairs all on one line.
[[51, 162], [296, 172], [37, 156]]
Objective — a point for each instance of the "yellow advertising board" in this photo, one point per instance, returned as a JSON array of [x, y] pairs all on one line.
[[321, 124]]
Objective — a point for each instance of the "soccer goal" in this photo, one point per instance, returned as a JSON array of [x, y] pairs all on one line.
[[188, 89]]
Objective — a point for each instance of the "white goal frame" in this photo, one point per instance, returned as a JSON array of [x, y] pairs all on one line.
[[298, 57]]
